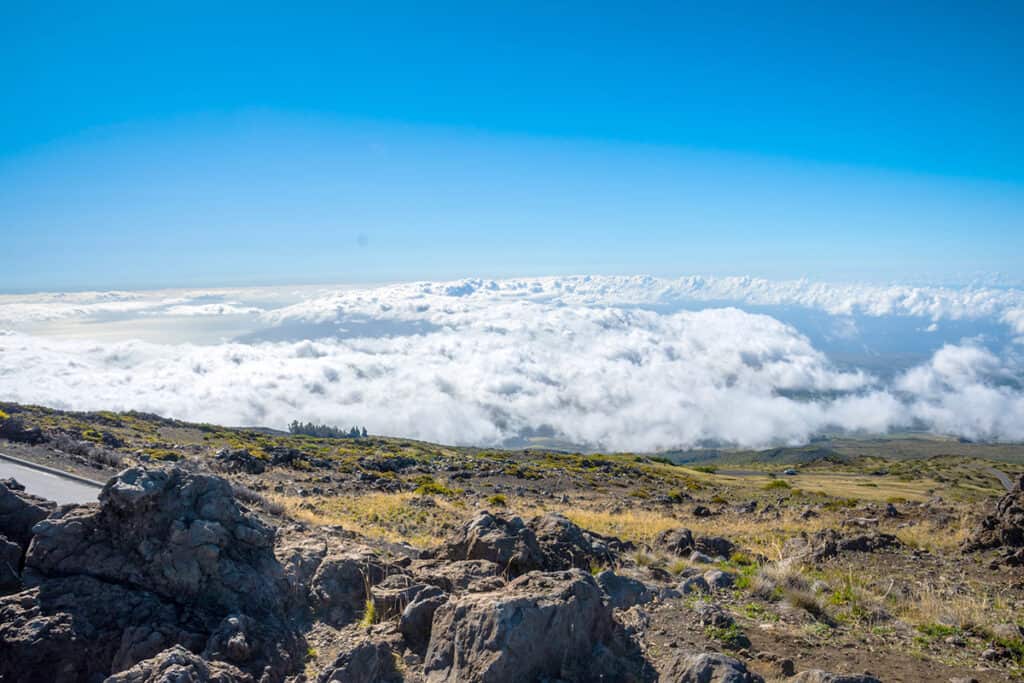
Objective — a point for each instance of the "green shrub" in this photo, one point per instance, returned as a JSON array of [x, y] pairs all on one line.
[[497, 499], [777, 484]]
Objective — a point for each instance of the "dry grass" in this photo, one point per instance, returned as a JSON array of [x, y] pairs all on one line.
[[963, 610], [391, 517]]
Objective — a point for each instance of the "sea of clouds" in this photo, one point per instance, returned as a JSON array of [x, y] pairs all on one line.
[[623, 363]]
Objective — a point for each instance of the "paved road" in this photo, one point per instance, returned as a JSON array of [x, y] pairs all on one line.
[[1001, 476], [50, 486]]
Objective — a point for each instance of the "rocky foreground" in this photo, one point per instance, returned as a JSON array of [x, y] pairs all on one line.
[[291, 560], [170, 578]]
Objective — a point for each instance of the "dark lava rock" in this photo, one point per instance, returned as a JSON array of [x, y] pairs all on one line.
[[710, 667], [508, 543], [13, 429], [818, 676], [166, 558], [622, 591], [178, 665], [418, 616], [1005, 526], [20, 511], [715, 546], [675, 541], [239, 460], [10, 565], [551, 625], [828, 543], [366, 661]]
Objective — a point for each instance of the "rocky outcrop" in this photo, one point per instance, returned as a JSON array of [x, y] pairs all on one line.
[[1004, 528], [180, 536], [13, 429], [548, 543], [709, 668], [338, 587], [682, 542], [239, 460], [167, 558], [675, 541], [541, 625], [365, 661], [20, 511], [817, 676], [10, 565], [458, 575], [178, 665], [564, 545], [622, 592], [508, 543], [828, 543], [418, 617]]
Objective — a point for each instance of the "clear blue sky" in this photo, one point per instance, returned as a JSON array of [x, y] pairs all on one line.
[[145, 146]]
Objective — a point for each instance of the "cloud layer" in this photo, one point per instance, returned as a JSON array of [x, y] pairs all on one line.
[[492, 361]]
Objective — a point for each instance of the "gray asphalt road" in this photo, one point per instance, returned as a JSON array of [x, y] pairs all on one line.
[[1001, 476], [50, 486]]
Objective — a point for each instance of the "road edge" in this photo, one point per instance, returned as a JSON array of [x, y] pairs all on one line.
[[51, 470]]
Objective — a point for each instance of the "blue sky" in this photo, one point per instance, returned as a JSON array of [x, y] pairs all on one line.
[[358, 142]]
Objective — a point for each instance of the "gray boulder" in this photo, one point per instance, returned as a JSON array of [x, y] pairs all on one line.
[[20, 511], [710, 668], [337, 592], [508, 543], [181, 536], [10, 565], [675, 541], [622, 591], [541, 625], [178, 665], [418, 616], [715, 546], [694, 584], [818, 676], [366, 661], [167, 558], [455, 576], [719, 580]]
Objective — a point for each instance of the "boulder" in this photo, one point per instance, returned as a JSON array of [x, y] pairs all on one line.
[[710, 667], [417, 618], [179, 535], [828, 543], [818, 676], [563, 545], [454, 576], [675, 541], [239, 460], [1005, 526], [541, 625], [167, 558], [80, 629], [178, 665], [365, 661], [715, 546], [10, 565], [508, 543], [719, 580], [20, 511], [13, 429], [338, 588], [622, 591]]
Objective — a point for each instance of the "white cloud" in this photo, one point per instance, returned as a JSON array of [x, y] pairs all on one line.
[[501, 358]]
